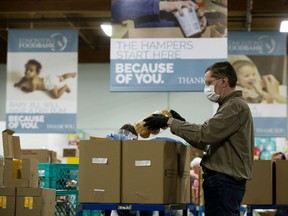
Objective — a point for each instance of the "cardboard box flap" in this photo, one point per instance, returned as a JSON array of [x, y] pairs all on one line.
[[7, 191], [7, 143], [11, 144], [32, 192], [43, 155], [97, 138], [8, 131], [16, 147]]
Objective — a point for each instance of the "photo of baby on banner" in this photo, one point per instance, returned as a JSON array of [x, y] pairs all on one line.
[[169, 19], [51, 83], [262, 79]]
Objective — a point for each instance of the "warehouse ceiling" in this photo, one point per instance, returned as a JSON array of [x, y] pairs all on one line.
[[87, 15]]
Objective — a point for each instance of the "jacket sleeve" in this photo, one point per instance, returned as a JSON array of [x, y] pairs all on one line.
[[221, 126], [132, 9]]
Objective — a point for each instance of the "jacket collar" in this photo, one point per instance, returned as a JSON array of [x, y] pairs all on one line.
[[232, 95]]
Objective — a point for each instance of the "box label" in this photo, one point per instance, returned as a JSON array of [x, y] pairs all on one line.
[[143, 163], [3, 202], [100, 160], [99, 190], [28, 202]]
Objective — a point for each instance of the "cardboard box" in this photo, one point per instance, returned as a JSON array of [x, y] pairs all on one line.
[[99, 171], [42, 155], [29, 174], [7, 201], [259, 190], [149, 171], [70, 152], [211, 32], [35, 201], [11, 144], [53, 157], [1, 172], [281, 177], [72, 160], [183, 179]]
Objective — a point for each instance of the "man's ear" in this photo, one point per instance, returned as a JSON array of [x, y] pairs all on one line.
[[225, 82]]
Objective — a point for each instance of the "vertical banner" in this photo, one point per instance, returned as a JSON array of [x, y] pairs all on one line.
[[156, 46], [42, 76], [259, 59]]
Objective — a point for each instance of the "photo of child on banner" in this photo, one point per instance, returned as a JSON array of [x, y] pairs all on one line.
[[260, 86], [32, 81]]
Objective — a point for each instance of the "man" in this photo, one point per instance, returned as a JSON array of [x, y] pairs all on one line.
[[227, 140]]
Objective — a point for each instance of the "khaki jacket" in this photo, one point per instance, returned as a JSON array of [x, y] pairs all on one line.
[[227, 138]]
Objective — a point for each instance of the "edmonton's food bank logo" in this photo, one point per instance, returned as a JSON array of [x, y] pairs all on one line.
[[262, 45], [60, 42], [56, 42], [268, 44]]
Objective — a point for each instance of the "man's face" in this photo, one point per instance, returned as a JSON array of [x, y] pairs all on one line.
[[209, 80], [31, 71]]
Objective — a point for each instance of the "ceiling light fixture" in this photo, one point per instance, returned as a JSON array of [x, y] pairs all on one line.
[[107, 29], [284, 26]]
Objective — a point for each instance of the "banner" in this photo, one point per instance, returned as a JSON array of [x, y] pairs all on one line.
[[42, 68], [154, 48], [259, 59]]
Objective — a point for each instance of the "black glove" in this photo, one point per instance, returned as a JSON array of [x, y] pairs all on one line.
[[156, 121], [176, 115]]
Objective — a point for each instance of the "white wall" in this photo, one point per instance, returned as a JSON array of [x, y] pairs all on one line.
[[101, 111]]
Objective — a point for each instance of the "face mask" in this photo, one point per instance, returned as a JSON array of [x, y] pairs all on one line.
[[210, 93]]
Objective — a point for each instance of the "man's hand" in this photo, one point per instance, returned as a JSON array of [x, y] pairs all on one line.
[[176, 115], [156, 121]]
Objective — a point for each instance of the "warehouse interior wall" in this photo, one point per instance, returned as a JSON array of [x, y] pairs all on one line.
[[100, 111]]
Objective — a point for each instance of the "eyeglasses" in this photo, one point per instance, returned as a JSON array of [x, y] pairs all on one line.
[[211, 81]]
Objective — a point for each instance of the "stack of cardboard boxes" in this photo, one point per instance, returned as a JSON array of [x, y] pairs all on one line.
[[19, 193], [130, 171]]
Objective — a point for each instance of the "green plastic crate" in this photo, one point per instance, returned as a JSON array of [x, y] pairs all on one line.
[[66, 203], [58, 176], [91, 212]]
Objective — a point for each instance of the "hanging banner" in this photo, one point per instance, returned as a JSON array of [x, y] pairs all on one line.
[[156, 48], [42, 68], [259, 59]]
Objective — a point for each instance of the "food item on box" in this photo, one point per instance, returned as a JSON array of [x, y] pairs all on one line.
[[165, 113], [143, 131], [155, 131]]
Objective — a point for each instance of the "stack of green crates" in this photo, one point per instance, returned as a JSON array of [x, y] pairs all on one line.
[[64, 179]]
